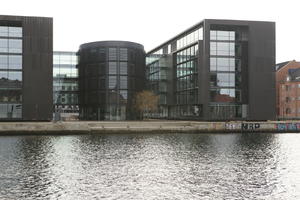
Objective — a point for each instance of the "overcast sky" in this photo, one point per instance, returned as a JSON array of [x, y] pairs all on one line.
[[152, 22]]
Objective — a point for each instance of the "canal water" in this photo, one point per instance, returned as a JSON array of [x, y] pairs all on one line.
[[151, 166]]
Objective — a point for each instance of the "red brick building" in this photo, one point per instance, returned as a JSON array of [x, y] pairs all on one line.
[[288, 90]]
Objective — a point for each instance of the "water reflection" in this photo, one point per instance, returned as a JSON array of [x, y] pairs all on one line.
[[151, 166]]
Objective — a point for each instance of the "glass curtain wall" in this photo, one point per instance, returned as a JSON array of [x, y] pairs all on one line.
[[225, 75], [157, 82], [117, 90], [11, 72], [182, 57], [186, 80], [65, 84]]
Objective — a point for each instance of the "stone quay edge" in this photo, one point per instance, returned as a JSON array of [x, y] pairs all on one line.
[[151, 126]]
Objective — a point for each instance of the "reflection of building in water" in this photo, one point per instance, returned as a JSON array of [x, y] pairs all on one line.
[[110, 74], [216, 70], [25, 68], [65, 85]]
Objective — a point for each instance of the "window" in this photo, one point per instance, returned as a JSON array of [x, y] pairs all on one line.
[[222, 35], [3, 31], [112, 82], [15, 46], [15, 31], [169, 48], [3, 75], [15, 61], [112, 54], [3, 45], [112, 68], [124, 94], [3, 61], [123, 82], [123, 54], [123, 68]]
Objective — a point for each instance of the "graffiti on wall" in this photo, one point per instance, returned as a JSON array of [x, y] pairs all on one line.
[[250, 126], [232, 126], [288, 126], [257, 127]]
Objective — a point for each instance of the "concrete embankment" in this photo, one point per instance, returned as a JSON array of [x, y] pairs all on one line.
[[87, 127]]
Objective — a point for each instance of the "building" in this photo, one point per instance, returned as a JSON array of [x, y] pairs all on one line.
[[110, 74], [65, 85], [26, 68], [288, 90], [216, 70]]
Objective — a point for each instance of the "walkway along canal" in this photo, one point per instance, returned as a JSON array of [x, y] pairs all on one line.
[[86, 127]]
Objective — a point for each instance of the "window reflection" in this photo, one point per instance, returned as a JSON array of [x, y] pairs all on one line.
[[123, 82], [3, 61], [15, 46], [112, 68], [10, 72], [3, 31], [112, 82], [15, 76], [222, 95], [112, 54], [9, 95], [15, 62], [15, 31], [222, 35], [3, 45]]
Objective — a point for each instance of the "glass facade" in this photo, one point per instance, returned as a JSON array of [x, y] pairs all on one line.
[[111, 73], [11, 72], [189, 38], [65, 84], [157, 73], [215, 71], [225, 74], [186, 79], [172, 73]]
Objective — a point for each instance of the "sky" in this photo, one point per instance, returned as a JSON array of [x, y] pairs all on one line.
[[152, 22]]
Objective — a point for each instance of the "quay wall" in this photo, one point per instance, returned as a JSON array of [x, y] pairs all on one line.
[[87, 127]]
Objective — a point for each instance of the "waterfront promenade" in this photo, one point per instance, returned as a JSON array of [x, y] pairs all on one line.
[[151, 126]]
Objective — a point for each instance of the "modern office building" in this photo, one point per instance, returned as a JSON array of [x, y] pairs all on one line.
[[25, 68], [65, 85], [288, 90], [110, 74], [216, 70]]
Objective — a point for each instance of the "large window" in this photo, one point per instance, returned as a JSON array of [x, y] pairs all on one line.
[[190, 38], [222, 35], [225, 76], [6, 31], [10, 72], [186, 82]]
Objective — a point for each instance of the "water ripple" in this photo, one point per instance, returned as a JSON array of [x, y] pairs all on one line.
[[151, 166]]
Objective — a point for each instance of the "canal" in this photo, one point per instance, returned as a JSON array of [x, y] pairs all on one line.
[[151, 166]]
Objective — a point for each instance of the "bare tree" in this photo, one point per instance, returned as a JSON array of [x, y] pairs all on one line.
[[146, 102]]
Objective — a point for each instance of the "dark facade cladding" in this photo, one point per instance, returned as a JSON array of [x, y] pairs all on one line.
[[110, 74], [26, 68], [216, 70]]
